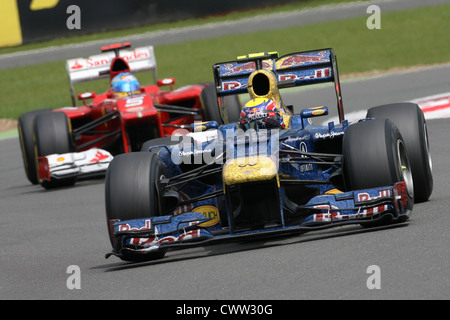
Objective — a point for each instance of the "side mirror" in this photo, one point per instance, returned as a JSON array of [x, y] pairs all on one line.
[[314, 112], [166, 82], [85, 96]]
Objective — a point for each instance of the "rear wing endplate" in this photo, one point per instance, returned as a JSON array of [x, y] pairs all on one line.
[[98, 66], [295, 69]]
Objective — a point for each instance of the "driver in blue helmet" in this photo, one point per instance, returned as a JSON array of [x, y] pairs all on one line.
[[262, 113], [125, 84]]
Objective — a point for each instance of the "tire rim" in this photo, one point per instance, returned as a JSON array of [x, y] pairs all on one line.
[[405, 168]]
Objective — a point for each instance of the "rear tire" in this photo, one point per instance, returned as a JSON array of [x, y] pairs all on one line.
[[409, 119], [210, 103], [233, 107], [52, 135]]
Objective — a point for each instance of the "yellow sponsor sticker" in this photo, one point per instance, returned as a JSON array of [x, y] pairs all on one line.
[[333, 191], [318, 112], [249, 169], [210, 212]]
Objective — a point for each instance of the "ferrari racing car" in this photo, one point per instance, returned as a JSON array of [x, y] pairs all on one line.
[[271, 172], [64, 144]]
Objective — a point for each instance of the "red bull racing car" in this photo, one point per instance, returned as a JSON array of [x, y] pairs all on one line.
[[271, 172], [64, 144]]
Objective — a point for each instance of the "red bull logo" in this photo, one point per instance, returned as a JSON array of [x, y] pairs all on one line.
[[239, 68], [318, 73], [301, 59]]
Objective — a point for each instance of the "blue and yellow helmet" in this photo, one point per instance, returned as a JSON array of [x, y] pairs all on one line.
[[125, 84], [261, 113]]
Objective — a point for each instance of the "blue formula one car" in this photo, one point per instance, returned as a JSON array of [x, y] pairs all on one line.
[[272, 172]]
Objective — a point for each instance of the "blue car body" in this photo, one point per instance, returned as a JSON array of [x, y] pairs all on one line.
[[305, 193]]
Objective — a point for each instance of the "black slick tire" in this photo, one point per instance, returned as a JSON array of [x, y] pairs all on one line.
[[410, 120], [25, 129], [211, 108], [131, 192], [374, 155], [52, 135]]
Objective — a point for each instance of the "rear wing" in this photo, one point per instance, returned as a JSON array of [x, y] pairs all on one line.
[[98, 66], [295, 69]]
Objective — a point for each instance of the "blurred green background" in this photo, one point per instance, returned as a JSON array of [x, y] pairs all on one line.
[[406, 38]]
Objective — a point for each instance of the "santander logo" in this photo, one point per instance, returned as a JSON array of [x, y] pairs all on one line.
[[105, 59]]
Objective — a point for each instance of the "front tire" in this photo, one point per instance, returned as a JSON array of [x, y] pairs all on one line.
[[374, 155], [410, 120], [131, 192], [52, 135], [25, 128]]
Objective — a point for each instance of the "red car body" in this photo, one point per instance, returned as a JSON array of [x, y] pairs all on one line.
[[150, 114], [112, 124]]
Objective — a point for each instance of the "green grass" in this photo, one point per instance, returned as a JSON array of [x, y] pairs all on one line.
[[406, 38]]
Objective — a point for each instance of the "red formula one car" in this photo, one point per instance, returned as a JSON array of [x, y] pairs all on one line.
[[64, 144]]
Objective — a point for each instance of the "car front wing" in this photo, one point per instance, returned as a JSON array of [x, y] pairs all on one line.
[[75, 164], [142, 236]]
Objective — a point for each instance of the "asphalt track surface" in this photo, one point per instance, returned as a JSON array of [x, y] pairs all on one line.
[[46, 232]]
